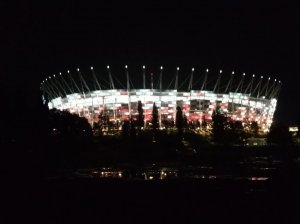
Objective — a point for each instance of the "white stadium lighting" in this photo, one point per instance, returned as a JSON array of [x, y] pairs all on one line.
[[68, 71], [92, 68], [244, 74], [261, 77], [60, 73], [119, 103], [78, 69], [232, 73]]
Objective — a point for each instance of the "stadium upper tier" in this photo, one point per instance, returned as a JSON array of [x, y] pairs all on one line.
[[241, 100]]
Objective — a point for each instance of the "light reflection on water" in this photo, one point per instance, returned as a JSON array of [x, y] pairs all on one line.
[[164, 173]]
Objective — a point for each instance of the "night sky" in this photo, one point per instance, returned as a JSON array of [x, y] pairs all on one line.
[[48, 38]]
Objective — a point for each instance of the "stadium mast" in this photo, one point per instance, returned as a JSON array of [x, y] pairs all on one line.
[[111, 81], [95, 79], [144, 77], [205, 80], [160, 90], [218, 81], [229, 84], [73, 81], [240, 85], [82, 82], [190, 87], [58, 83], [249, 87], [128, 91], [66, 84], [176, 79]]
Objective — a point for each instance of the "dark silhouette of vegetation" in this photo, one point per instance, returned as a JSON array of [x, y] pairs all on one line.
[[154, 120], [140, 118], [235, 133], [132, 128], [125, 129], [179, 122], [279, 135], [185, 121], [68, 134], [227, 131], [219, 121], [254, 128]]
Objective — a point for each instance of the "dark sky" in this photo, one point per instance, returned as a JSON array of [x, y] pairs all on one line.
[[48, 38]]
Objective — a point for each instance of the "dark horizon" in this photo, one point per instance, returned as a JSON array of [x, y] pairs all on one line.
[[257, 39]]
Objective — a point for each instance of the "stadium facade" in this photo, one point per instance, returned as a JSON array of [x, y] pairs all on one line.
[[243, 98]]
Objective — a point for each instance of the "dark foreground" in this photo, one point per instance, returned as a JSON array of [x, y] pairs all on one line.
[[82, 201], [253, 188]]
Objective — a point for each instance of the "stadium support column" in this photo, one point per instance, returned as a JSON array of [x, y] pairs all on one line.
[[229, 84], [272, 89], [111, 81], [59, 84], [66, 84], [152, 81], [144, 77], [160, 90], [128, 91], [95, 79], [54, 85], [176, 88], [112, 86], [240, 85], [205, 80], [191, 80], [190, 89], [217, 82], [73, 81]]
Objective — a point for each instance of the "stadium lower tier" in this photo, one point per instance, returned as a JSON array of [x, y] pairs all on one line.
[[196, 105]]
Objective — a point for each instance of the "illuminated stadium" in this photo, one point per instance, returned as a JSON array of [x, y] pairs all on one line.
[[245, 98]]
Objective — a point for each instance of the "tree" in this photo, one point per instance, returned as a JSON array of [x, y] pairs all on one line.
[[279, 134], [140, 118], [69, 134], [125, 129], [218, 126], [254, 128], [235, 132], [185, 121], [154, 120], [132, 128], [179, 122]]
